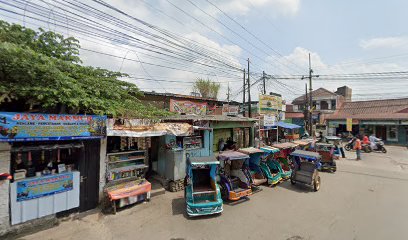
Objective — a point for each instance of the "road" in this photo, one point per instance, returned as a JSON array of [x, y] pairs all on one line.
[[367, 199]]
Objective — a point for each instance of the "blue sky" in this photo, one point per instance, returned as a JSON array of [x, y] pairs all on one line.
[[342, 36]]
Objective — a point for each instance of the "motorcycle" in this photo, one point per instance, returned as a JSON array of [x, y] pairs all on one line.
[[379, 147], [350, 145]]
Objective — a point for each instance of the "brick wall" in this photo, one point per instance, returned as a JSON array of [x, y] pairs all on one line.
[[4, 188]]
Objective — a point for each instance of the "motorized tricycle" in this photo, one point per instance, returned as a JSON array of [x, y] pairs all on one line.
[[202, 192], [305, 168], [235, 179], [303, 144], [326, 151], [253, 165], [285, 149], [270, 167]]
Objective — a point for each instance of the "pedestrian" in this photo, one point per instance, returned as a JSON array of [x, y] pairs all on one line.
[[343, 155], [357, 147]]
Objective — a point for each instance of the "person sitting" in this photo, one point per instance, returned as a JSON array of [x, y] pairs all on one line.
[[366, 141]]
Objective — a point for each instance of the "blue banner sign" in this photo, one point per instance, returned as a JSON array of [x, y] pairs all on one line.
[[44, 186], [38, 126]]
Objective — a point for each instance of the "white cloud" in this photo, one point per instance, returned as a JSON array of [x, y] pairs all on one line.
[[363, 88], [385, 42], [274, 7]]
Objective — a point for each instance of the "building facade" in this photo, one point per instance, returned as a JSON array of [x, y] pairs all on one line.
[[387, 119]]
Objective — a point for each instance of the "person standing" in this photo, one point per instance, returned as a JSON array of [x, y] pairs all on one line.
[[357, 147]]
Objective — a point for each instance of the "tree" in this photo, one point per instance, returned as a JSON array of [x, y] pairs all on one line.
[[207, 88], [42, 70]]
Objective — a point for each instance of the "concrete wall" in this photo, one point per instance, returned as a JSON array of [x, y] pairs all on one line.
[[102, 169], [4, 188]]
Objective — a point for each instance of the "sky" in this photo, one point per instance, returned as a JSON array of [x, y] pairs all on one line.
[[342, 37]]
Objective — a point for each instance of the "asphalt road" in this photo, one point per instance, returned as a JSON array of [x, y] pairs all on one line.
[[367, 199]]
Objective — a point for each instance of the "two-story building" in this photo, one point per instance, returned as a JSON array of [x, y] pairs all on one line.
[[325, 103]]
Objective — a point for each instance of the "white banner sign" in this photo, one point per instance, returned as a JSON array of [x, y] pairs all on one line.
[[269, 121]]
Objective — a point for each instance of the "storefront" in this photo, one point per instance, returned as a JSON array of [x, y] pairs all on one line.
[[133, 149], [54, 161]]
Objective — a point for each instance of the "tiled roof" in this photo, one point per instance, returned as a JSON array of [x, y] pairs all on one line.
[[320, 92], [389, 109], [178, 117], [294, 115]]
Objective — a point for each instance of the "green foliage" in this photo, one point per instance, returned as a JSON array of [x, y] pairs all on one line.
[[42, 68], [207, 88]]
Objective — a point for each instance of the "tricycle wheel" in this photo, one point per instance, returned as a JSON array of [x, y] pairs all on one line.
[[224, 192], [292, 181], [383, 150], [316, 184]]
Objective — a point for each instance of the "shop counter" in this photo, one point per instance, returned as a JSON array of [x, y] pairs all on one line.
[[129, 192], [36, 197]]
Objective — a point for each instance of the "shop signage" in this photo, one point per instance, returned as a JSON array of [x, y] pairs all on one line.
[[188, 107], [38, 126], [269, 104], [44, 186], [230, 109], [349, 123], [269, 121]]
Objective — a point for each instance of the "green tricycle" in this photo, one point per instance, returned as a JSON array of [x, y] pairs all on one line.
[[269, 166]]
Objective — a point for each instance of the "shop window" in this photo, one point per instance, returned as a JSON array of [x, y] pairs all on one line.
[[392, 133]]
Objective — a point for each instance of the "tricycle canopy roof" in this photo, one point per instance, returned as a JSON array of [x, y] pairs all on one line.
[[325, 144], [285, 145], [232, 155], [332, 138], [306, 154], [302, 142], [268, 149], [250, 150], [203, 160]]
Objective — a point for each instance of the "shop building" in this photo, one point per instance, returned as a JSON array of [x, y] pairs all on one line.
[[387, 119], [54, 163]]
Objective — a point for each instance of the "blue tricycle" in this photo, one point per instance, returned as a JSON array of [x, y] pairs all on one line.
[[202, 192]]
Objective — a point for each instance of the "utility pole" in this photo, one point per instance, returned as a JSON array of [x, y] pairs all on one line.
[[228, 94], [263, 80], [249, 94], [243, 93], [310, 108], [306, 109]]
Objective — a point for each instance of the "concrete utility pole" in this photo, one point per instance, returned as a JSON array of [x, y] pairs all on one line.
[[310, 107], [249, 94], [263, 80], [243, 93], [228, 94]]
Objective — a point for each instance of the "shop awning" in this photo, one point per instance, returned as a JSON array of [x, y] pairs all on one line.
[[146, 128], [287, 125]]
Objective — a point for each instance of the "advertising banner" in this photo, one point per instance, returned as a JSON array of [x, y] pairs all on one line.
[[269, 104], [38, 126], [349, 124], [230, 109], [44, 186], [188, 107]]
